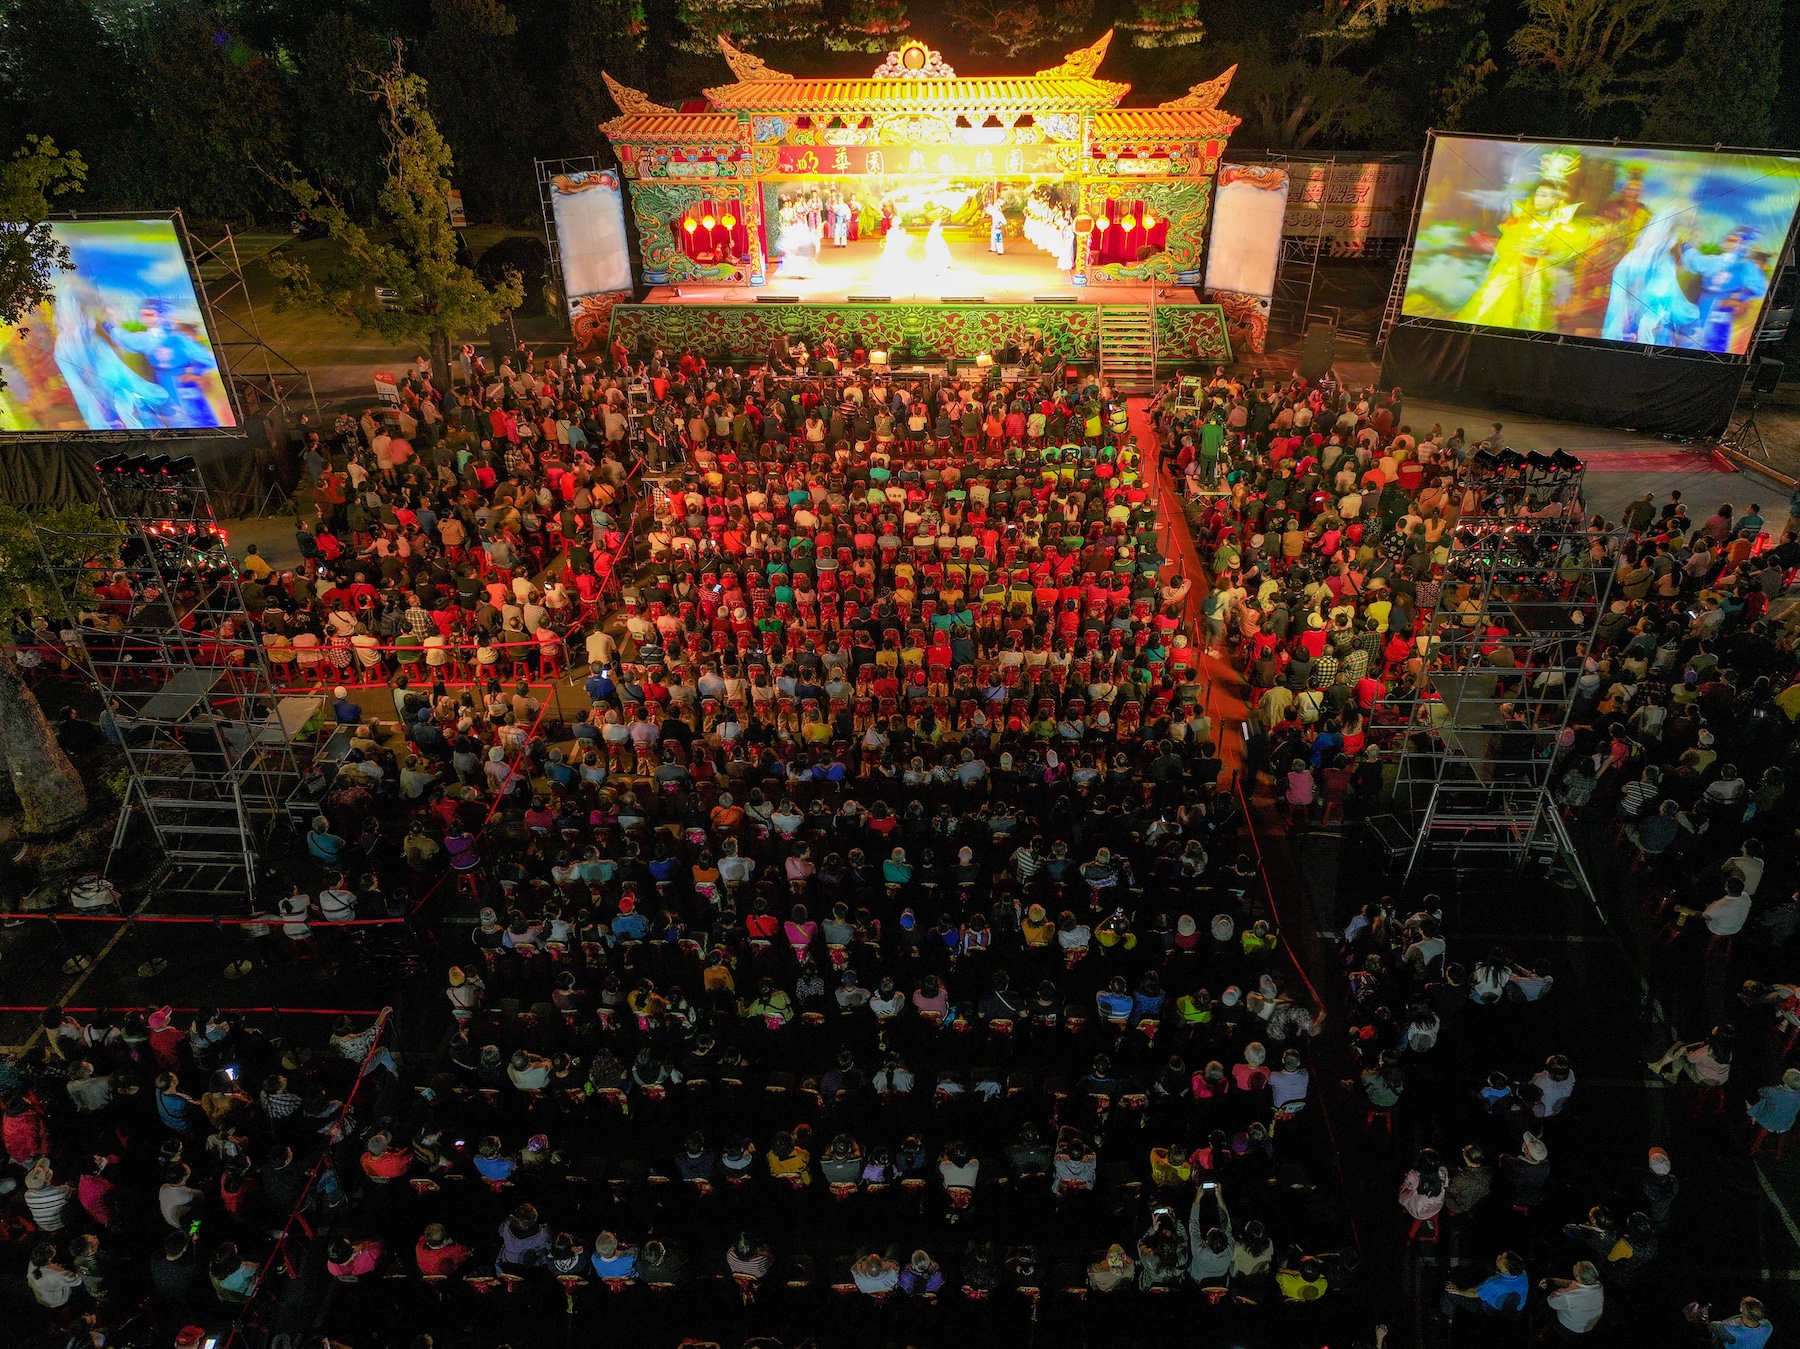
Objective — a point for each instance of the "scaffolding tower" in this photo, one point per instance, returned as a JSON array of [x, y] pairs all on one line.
[[156, 619], [1508, 638]]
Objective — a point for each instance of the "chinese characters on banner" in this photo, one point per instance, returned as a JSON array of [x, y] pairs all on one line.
[[944, 160], [1359, 202]]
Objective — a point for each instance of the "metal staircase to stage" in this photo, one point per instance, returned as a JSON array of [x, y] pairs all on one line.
[[1128, 347]]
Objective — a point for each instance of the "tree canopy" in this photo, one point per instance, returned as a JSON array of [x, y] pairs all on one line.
[[399, 276], [199, 103], [30, 256]]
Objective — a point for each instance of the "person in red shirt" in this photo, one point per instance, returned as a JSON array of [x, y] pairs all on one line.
[[382, 1162], [438, 1254]]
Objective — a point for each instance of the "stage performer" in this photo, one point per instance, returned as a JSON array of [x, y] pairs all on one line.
[[797, 241], [894, 248], [840, 222], [996, 214], [937, 250], [1730, 282], [1539, 239], [1647, 303]]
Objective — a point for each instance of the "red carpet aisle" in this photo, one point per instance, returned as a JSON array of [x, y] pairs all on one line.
[[1226, 691]]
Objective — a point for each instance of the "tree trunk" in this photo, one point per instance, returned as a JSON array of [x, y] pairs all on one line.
[[48, 786], [440, 361]]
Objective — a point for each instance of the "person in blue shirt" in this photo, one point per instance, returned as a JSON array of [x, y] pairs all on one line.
[[630, 925], [599, 685], [1503, 1291], [1148, 998], [491, 1163], [179, 1112], [325, 846], [1749, 1329], [1114, 1001], [343, 710], [1776, 1108], [613, 1260]]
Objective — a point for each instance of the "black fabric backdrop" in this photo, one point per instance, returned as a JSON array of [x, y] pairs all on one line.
[[47, 474], [1666, 395]]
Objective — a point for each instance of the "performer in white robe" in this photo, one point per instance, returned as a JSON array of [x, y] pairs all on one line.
[[937, 251]]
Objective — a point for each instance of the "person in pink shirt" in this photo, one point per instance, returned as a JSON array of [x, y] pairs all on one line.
[[353, 1259]]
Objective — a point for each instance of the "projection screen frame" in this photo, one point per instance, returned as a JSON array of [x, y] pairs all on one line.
[[188, 248], [1396, 317]]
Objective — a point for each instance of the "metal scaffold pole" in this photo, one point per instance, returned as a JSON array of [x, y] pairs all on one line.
[[1505, 656], [157, 621]]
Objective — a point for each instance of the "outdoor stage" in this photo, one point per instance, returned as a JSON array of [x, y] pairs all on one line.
[[840, 275]]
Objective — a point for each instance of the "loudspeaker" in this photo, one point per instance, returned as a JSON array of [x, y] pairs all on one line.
[[1767, 376], [1320, 351]]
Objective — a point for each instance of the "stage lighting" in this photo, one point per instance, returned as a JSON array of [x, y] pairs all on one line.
[[1100, 224], [1149, 221], [728, 221], [1565, 461], [112, 463], [708, 220], [877, 358], [689, 225], [983, 360], [1127, 223]]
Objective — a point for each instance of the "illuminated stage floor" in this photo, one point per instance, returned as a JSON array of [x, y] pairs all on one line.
[[1020, 275]]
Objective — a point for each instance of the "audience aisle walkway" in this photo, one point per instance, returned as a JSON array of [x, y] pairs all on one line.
[[1225, 691]]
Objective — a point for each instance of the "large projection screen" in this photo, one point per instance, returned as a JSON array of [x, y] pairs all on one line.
[[121, 344], [1653, 246]]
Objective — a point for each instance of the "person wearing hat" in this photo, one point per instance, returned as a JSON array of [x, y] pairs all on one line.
[[1528, 1174], [465, 993], [382, 1162], [47, 1202], [1112, 1271], [1658, 1187], [343, 710]]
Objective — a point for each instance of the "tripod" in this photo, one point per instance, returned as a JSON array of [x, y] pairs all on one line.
[[1746, 437]]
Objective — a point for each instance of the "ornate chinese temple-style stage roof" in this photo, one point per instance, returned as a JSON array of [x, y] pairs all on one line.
[[734, 204]]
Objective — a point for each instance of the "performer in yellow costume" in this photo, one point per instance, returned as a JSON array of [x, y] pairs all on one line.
[[1539, 241]]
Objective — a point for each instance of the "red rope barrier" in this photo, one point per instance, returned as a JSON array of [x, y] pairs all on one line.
[[235, 920], [245, 1011]]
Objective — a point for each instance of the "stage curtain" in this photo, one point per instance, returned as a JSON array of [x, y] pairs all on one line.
[[1644, 390], [1116, 243], [716, 244]]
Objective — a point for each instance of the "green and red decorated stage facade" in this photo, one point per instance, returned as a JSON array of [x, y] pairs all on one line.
[[1135, 187]]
